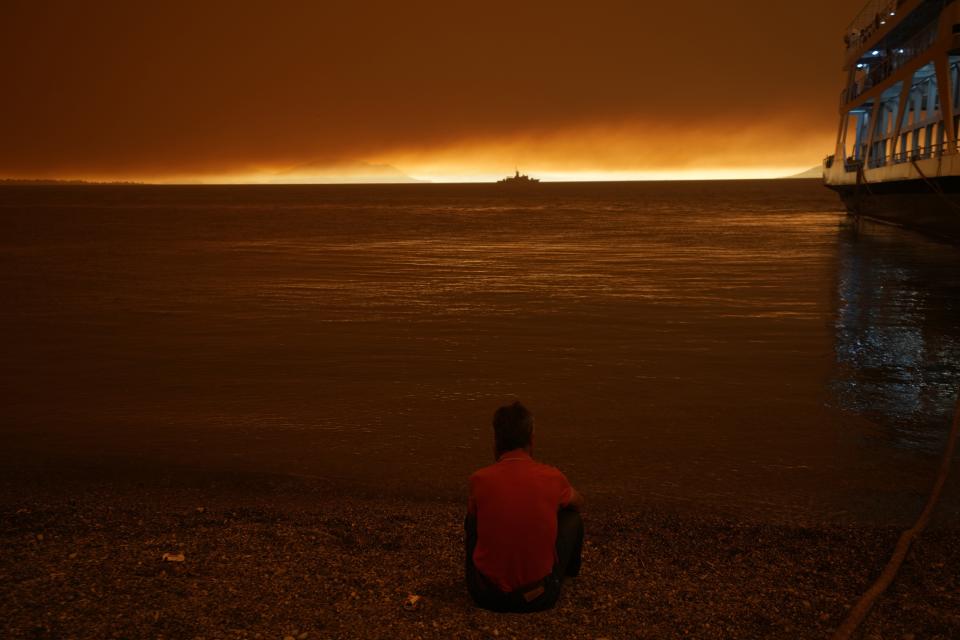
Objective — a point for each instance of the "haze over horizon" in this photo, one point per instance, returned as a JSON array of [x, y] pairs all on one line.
[[296, 91]]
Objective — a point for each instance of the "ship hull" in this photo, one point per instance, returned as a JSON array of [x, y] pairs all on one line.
[[930, 206]]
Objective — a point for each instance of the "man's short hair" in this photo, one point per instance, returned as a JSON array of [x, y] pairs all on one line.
[[512, 427]]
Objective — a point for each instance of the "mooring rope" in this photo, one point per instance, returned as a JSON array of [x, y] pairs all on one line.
[[934, 187], [863, 606]]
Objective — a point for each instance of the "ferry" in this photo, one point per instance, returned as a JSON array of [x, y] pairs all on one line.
[[518, 180], [896, 155]]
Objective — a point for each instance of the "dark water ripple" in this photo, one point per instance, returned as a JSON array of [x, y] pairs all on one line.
[[731, 344]]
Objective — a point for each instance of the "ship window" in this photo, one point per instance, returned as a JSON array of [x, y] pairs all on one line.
[[854, 139]]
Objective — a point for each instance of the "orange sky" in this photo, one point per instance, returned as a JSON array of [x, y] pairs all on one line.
[[278, 91]]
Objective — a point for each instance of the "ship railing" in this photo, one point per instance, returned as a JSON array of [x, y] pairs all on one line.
[[874, 15], [893, 59], [910, 155], [852, 164]]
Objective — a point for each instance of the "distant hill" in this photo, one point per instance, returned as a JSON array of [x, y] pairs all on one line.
[[814, 172], [358, 173], [50, 181], [309, 173]]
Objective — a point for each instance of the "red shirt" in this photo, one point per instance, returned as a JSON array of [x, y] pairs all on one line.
[[516, 502]]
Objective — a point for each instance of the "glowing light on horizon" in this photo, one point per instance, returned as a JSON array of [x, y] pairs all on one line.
[[752, 173], [632, 152], [456, 177]]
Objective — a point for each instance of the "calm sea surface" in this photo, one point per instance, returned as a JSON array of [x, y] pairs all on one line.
[[738, 345]]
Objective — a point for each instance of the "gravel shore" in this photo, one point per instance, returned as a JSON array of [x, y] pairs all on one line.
[[312, 562]]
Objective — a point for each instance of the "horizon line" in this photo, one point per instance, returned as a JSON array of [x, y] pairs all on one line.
[[411, 183]]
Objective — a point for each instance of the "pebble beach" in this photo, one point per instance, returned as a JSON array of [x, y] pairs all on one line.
[[261, 557]]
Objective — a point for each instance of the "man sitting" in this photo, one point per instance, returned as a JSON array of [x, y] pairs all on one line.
[[523, 528]]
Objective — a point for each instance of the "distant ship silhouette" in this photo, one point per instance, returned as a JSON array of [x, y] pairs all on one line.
[[518, 180]]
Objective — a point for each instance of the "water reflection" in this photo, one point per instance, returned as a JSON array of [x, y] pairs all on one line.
[[898, 332]]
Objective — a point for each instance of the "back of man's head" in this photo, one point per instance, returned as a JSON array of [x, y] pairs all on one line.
[[512, 427]]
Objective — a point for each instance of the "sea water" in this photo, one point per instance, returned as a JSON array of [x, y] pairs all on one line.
[[739, 345]]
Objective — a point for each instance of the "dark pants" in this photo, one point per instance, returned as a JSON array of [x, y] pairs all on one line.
[[569, 547]]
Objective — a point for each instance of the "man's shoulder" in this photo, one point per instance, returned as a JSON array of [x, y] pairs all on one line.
[[483, 472], [548, 470], [530, 466]]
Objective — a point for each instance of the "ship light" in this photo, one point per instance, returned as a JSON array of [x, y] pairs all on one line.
[[883, 22], [861, 66], [874, 53]]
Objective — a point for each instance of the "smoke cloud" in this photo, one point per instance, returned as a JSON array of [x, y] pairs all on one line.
[[182, 90]]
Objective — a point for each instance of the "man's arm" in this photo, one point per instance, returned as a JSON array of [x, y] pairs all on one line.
[[570, 498], [576, 500], [471, 500]]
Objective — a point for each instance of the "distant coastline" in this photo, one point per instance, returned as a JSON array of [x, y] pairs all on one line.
[[814, 173], [38, 181]]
